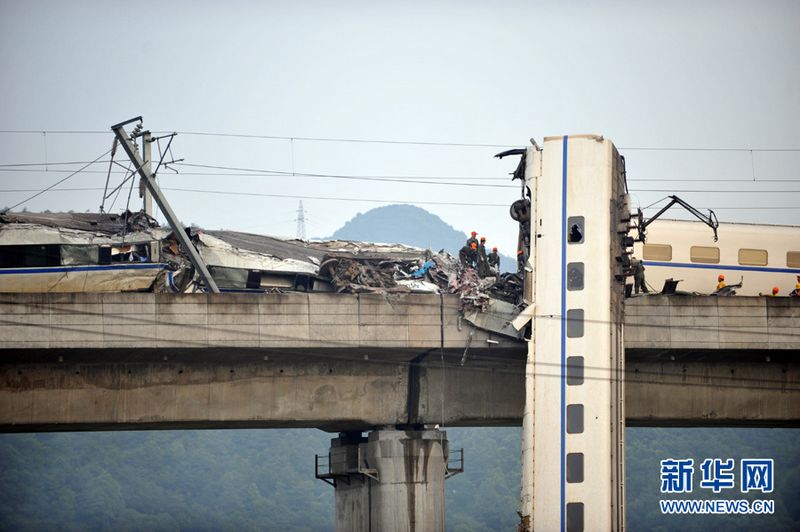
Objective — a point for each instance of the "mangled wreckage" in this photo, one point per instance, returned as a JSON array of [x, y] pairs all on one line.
[[101, 252]]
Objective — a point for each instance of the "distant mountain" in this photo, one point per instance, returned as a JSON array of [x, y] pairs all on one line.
[[407, 224]]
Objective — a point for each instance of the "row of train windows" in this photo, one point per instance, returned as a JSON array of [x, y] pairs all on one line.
[[710, 255]]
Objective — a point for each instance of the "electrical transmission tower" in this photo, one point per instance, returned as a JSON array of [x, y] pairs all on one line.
[[301, 222]]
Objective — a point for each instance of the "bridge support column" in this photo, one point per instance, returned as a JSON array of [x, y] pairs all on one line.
[[391, 480]]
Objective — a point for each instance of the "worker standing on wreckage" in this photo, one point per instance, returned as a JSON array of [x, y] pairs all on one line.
[[468, 255], [494, 261], [483, 261], [472, 240]]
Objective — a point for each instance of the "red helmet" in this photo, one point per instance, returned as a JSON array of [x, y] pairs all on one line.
[[721, 278], [775, 290], [494, 249], [474, 233]]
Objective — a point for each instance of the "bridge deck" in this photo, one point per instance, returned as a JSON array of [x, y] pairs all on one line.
[[133, 361]]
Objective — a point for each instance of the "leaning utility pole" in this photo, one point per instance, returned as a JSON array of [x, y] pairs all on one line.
[[144, 193], [142, 167]]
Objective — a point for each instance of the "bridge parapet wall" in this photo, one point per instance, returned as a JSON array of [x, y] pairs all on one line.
[[718, 323]]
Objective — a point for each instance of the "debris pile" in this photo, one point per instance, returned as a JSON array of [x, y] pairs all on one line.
[[409, 271], [508, 287]]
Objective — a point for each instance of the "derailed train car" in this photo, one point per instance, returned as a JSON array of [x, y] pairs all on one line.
[[759, 257], [101, 252]]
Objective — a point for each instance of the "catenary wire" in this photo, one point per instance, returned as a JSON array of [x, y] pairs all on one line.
[[366, 200], [401, 142], [42, 191], [255, 171]]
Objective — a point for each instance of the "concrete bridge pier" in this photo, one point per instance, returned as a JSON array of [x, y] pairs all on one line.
[[389, 480]]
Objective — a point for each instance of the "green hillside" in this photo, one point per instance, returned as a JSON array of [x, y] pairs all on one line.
[[264, 480]]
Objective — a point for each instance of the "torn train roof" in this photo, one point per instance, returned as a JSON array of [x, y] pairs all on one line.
[[246, 250], [219, 248], [78, 228]]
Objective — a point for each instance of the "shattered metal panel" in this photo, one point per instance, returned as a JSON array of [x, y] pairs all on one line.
[[496, 318]]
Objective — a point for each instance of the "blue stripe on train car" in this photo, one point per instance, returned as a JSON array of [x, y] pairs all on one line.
[[563, 330], [67, 269], [722, 267]]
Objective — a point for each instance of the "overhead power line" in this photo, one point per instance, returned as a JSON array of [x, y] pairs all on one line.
[[393, 141], [364, 200], [253, 172], [42, 191]]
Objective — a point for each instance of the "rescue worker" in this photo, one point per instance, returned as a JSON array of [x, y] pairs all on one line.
[[520, 261], [774, 293], [638, 276], [796, 291], [473, 255], [463, 255], [494, 260], [720, 282], [483, 262], [472, 240]]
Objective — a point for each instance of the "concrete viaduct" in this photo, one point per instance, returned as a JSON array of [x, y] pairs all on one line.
[[356, 362]]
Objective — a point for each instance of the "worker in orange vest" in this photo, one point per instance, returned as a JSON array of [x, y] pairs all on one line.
[[472, 240]]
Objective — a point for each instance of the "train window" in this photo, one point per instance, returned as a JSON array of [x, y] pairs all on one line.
[[753, 257], [704, 254], [574, 370], [574, 467], [575, 276], [575, 323], [793, 259], [574, 517], [661, 252], [574, 419], [575, 229]]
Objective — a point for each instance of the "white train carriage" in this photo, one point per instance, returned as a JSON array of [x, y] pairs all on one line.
[[761, 256]]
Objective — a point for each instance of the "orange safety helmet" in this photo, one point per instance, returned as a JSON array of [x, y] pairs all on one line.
[[721, 278], [775, 290], [483, 239], [474, 245]]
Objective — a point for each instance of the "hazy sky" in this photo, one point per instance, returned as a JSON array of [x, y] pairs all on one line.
[[644, 74]]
